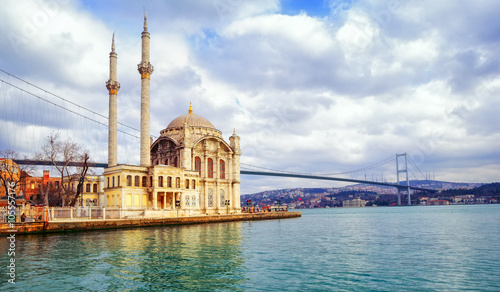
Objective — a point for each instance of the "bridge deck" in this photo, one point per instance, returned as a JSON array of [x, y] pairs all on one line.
[[248, 172]]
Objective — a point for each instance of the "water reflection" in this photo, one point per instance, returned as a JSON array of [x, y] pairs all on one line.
[[184, 258], [439, 248]]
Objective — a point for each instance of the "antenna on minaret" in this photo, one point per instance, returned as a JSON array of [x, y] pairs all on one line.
[[113, 43], [145, 20]]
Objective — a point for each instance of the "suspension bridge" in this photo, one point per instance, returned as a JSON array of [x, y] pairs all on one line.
[[30, 113]]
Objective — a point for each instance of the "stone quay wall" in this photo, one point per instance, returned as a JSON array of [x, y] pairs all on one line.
[[99, 224]]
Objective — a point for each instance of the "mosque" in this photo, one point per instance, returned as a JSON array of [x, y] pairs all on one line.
[[189, 168]]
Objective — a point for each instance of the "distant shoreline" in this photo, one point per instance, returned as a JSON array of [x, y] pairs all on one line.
[[100, 224]]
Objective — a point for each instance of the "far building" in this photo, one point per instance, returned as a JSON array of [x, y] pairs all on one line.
[[10, 172], [354, 203], [190, 167]]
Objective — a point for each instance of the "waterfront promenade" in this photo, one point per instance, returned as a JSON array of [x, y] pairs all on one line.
[[99, 224]]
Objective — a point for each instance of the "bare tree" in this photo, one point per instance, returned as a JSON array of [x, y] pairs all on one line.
[[70, 161], [11, 172], [45, 190], [83, 172]]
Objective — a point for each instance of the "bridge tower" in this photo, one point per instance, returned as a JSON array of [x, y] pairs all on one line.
[[405, 171]]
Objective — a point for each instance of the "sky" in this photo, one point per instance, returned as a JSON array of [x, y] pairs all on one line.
[[309, 86]]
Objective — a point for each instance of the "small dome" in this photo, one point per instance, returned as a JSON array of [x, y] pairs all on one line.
[[192, 120]]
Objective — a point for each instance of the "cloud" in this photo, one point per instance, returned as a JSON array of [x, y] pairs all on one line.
[[306, 93]]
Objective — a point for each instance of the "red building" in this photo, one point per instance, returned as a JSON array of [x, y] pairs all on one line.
[[30, 186]]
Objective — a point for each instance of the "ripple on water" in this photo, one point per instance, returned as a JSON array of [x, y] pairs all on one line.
[[449, 248]]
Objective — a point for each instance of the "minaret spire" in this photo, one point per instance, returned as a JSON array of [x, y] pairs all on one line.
[[145, 69], [113, 86]]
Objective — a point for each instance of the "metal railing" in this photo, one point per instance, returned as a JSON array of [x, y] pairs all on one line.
[[47, 214]]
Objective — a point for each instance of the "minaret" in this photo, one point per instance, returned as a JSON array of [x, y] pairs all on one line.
[[234, 142], [146, 69], [113, 86]]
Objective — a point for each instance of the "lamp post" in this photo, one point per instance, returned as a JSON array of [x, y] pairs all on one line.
[[178, 206], [227, 202], [249, 202], [279, 204]]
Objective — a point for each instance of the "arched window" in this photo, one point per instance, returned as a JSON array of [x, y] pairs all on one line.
[[136, 181], [95, 188], [169, 182], [210, 168], [113, 180], [117, 180], [222, 198], [129, 180], [222, 169], [87, 188], [175, 162], [177, 182], [160, 181], [94, 202], [193, 184], [144, 181], [210, 198], [107, 185], [197, 164], [187, 184], [151, 181]]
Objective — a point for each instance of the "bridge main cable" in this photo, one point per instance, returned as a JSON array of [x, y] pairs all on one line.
[[264, 173]]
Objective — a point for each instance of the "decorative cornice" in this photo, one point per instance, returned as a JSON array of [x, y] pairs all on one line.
[[145, 69], [112, 86]]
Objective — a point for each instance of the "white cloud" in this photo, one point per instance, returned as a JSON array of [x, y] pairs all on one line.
[[305, 93]]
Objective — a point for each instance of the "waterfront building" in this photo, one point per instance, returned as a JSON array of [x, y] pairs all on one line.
[[92, 193], [437, 202], [31, 185], [9, 171], [354, 203], [462, 199], [189, 167]]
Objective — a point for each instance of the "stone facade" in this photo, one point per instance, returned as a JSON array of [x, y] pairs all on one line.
[[189, 167], [198, 147]]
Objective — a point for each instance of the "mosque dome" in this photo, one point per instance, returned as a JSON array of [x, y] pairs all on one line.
[[191, 119]]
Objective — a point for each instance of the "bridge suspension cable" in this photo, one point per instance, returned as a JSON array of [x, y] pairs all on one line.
[[65, 100], [414, 164], [264, 168], [59, 106], [375, 165]]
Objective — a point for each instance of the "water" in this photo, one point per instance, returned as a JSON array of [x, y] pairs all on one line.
[[438, 248]]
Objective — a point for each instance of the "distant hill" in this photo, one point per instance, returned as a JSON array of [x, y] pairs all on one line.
[[380, 195], [486, 190]]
